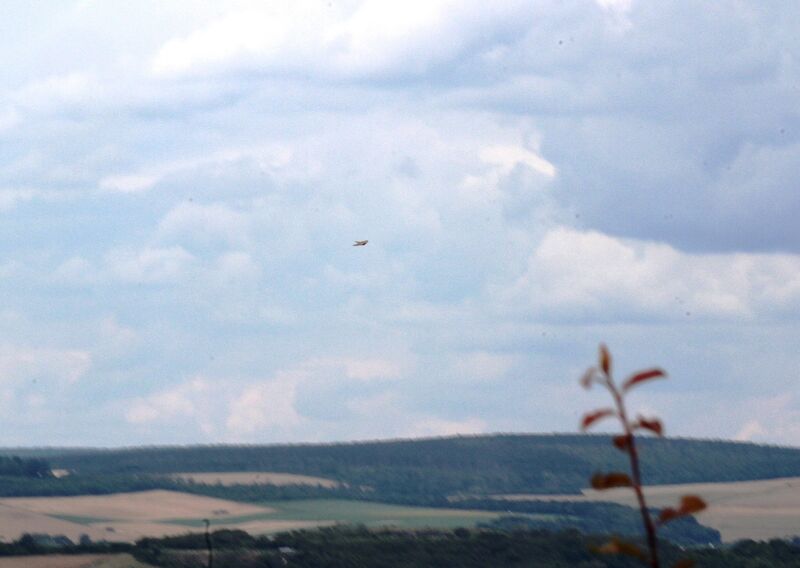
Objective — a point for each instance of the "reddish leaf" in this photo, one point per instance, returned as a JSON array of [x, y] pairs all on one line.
[[641, 377], [654, 425], [593, 417], [602, 481], [667, 514], [605, 359], [618, 546], [588, 378], [622, 442], [685, 563], [691, 504]]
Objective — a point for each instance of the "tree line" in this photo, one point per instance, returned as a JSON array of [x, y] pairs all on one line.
[[458, 465]]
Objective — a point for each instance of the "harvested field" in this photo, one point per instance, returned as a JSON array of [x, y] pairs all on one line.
[[131, 531], [143, 506], [747, 509], [320, 512], [14, 522], [122, 516], [72, 561], [130, 516], [255, 478], [266, 527]]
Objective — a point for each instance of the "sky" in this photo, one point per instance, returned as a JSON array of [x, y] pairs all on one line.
[[181, 183]]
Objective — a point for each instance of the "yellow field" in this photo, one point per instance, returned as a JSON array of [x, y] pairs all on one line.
[[747, 509], [14, 522], [130, 516], [122, 516], [753, 509], [256, 478], [142, 505], [72, 561]]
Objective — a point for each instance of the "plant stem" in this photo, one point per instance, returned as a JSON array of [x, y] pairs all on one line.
[[633, 453]]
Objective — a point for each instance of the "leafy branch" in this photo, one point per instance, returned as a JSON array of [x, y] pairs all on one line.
[[626, 442]]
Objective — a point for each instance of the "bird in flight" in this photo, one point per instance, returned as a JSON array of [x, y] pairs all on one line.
[[360, 243]]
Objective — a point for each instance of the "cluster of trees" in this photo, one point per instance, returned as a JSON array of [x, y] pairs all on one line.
[[99, 484], [31, 468], [357, 546], [29, 544], [590, 518], [460, 465], [82, 485], [344, 547]]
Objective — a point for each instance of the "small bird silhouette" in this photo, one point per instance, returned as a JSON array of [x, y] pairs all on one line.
[[360, 243]]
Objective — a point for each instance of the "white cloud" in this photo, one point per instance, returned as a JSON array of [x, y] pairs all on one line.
[[323, 369], [771, 418], [454, 135], [149, 265], [752, 429], [267, 33], [9, 118], [115, 337], [201, 224], [129, 183], [618, 11], [367, 369], [238, 409], [273, 158], [382, 37], [58, 91], [621, 5], [11, 197], [235, 267], [22, 363], [482, 365], [507, 157], [441, 427], [75, 270], [268, 405], [188, 401], [387, 415], [584, 273], [374, 39]]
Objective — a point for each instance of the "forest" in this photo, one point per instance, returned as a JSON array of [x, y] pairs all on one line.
[[421, 471], [357, 547]]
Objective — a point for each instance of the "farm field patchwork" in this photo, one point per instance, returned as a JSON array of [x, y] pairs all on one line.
[[752, 509], [761, 509], [342, 511], [121, 516], [142, 505], [129, 516]]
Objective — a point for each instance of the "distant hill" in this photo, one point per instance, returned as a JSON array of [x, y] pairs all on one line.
[[435, 468]]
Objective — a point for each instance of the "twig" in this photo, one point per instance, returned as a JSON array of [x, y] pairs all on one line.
[[626, 442]]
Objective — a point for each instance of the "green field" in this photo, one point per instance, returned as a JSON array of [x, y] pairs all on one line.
[[82, 520], [342, 511]]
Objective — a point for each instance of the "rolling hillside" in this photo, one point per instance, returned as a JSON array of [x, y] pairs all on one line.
[[420, 470]]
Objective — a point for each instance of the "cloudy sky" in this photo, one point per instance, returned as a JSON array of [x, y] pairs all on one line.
[[181, 183]]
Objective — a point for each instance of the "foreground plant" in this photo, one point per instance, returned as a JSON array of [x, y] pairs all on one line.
[[626, 442]]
